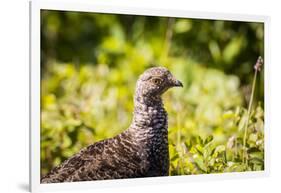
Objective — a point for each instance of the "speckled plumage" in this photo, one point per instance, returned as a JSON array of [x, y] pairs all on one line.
[[140, 151]]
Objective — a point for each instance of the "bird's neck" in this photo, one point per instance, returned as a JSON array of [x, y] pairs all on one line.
[[149, 120]]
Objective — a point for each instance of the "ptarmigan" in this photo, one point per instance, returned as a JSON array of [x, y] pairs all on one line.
[[139, 151]]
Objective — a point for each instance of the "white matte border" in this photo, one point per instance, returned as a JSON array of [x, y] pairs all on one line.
[[34, 133]]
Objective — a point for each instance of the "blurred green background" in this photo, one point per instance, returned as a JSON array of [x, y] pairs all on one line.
[[89, 66]]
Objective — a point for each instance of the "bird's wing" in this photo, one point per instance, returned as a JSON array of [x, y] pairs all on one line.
[[64, 172], [112, 158]]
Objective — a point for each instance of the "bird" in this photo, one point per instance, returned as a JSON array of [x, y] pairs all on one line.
[[139, 151]]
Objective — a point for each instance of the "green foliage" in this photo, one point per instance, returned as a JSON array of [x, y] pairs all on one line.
[[90, 64], [75, 37], [194, 155]]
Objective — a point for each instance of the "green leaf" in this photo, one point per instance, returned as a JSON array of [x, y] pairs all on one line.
[[220, 149], [208, 139]]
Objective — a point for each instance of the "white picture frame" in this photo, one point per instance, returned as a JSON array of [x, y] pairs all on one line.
[[36, 6]]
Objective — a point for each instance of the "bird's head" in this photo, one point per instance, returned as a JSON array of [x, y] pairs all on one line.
[[155, 81]]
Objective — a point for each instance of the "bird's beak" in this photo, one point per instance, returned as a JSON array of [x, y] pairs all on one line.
[[174, 82], [178, 83]]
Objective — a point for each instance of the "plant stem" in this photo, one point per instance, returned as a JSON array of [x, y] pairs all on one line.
[[179, 148], [168, 38], [257, 68], [248, 117]]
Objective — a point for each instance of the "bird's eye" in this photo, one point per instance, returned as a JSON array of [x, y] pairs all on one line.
[[156, 81]]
